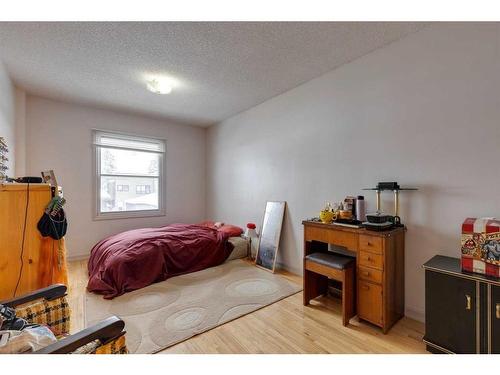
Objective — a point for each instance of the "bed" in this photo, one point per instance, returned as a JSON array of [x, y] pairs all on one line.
[[137, 258], [240, 248]]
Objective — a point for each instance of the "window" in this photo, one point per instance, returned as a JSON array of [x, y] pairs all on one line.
[[129, 178], [122, 188], [143, 189]]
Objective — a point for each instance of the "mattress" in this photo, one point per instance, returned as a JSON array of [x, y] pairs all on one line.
[[240, 248]]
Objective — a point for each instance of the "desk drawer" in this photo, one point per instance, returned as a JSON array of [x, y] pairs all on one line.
[[370, 274], [371, 244], [370, 260], [332, 236]]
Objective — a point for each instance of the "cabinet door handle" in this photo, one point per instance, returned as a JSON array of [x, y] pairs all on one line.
[[468, 304], [498, 310], [366, 287]]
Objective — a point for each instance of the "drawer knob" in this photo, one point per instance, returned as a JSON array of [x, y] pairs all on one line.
[[369, 243], [468, 302], [368, 258], [498, 310], [366, 273]]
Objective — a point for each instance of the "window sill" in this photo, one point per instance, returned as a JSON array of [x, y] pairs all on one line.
[[128, 215]]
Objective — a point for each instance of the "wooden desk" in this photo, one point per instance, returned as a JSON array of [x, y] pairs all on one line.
[[379, 267]]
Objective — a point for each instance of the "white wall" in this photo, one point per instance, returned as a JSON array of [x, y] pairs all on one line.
[[58, 137], [20, 131], [7, 117], [423, 111]]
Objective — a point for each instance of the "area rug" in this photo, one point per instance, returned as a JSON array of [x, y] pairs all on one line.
[[174, 310]]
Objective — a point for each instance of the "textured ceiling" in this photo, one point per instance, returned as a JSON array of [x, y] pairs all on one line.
[[221, 68]]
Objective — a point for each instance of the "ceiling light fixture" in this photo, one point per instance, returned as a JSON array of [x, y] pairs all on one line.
[[159, 86]]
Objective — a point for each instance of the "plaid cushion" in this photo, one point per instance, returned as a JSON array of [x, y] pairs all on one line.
[[116, 346], [55, 314], [89, 348]]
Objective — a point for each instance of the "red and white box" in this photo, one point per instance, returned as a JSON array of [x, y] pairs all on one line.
[[481, 246]]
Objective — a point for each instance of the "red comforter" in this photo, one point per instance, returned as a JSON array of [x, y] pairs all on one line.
[[137, 258]]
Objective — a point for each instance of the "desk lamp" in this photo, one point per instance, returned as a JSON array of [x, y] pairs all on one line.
[[380, 221]]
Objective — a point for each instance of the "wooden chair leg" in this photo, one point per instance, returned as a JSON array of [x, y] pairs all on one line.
[[314, 286], [348, 305], [305, 289]]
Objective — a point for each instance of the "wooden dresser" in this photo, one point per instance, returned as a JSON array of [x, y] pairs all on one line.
[[43, 259], [379, 267]]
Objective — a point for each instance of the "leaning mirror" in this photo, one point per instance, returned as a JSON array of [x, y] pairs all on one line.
[[270, 235]]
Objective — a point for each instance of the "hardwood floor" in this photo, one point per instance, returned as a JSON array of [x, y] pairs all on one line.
[[284, 327]]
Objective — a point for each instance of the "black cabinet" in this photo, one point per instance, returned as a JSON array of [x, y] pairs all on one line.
[[462, 310], [450, 312], [494, 319]]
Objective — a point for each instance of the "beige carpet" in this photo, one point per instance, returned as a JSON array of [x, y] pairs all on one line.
[[174, 310]]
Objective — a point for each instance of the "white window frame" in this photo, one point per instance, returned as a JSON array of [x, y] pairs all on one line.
[[98, 215]]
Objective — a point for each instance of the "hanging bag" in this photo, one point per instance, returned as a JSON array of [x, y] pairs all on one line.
[[54, 226]]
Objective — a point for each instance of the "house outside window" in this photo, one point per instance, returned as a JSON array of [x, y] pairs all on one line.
[[122, 188], [143, 189], [129, 177]]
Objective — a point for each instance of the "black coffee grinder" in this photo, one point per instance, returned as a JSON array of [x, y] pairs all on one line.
[[380, 221]]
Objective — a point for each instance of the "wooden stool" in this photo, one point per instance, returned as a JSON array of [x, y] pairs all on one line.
[[319, 267]]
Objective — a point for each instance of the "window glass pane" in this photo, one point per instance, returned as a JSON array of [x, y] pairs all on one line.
[[115, 199], [129, 142], [114, 161]]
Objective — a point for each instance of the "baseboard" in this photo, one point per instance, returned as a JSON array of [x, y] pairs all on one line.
[[294, 270], [415, 314], [77, 257]]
